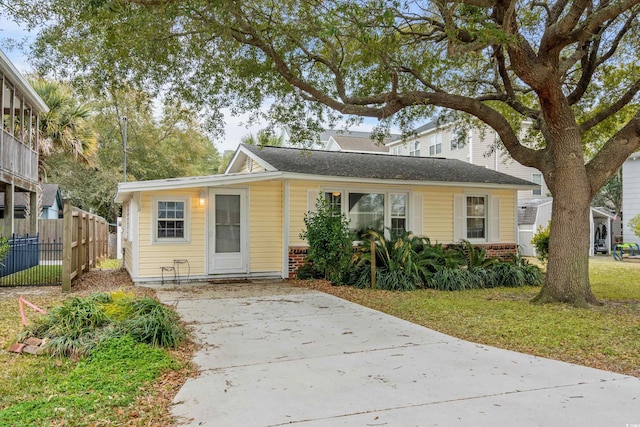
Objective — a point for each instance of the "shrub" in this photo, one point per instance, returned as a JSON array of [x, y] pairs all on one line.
[[475, 256], [540, 242], [516, 273], [329, 239], [397, 266], [634, 225], [309, 271], [4, 248], [79, 325], [456, 279]]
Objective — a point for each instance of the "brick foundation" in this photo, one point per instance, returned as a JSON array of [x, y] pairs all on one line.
[[297, 255], [503, 251]]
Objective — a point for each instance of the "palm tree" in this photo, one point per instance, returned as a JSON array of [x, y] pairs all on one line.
[[66, 127], [264, 138]]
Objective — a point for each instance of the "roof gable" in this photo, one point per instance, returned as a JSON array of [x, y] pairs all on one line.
[[358, 144]]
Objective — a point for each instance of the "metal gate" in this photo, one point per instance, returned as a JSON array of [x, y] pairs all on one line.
[[31, 262]]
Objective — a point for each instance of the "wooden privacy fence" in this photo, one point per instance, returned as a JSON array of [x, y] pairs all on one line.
[[49, 230], [86, 240]]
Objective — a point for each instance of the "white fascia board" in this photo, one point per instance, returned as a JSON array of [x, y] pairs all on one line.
[[344, 179], [125, 189], [235, 165], [21, 83], [601, 212]]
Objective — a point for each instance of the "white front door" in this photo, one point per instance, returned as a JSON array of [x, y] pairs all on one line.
[[228, 248]]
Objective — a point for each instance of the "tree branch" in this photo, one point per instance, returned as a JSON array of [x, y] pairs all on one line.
[[612, 109], [613, 153]]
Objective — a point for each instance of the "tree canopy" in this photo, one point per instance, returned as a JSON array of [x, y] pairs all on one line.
[[166, 144], [570, 68]]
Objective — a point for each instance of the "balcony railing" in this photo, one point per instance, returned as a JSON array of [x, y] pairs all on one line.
[[18, 159]]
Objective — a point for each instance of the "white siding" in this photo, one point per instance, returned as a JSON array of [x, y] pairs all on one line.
[[630, 196]]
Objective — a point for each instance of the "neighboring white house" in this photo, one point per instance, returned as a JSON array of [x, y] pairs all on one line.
[[448, 140], [630, 195], [536, 214]]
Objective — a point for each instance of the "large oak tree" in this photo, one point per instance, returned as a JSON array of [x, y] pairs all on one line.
[[568, 67]]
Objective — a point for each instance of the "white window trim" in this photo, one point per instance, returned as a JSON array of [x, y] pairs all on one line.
[[487, 217], [387, 203], [126, 221], [539, 190], [435, 140], [414, 149], [187, 220]]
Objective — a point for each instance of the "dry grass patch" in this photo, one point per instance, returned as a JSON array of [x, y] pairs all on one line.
[[27, 378]]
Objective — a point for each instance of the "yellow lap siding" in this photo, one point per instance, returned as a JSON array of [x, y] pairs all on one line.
[[265, 237], [507, 215], [437, 212], [128, 255], [298, 208], [154, 255]]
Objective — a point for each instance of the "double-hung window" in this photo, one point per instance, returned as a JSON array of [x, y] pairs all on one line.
[[171, 219], [414, 149], [536, 178], [458, 139], [397, 150], [435, 144], [476, 217], [398, 214]]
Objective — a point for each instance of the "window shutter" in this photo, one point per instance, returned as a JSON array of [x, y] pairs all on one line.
[[458, 217], [495, 219], [416, 221], [312, 196]]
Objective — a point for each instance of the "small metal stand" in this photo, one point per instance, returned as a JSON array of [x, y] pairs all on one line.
[[168, 269], [176, 267]]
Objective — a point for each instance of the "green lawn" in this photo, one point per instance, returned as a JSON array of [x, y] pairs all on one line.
[[606, 337], [37, 275]]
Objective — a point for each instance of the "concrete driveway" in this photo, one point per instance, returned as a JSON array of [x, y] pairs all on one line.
[[274, 355]]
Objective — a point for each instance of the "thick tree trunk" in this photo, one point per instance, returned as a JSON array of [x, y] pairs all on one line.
[[567, 277]]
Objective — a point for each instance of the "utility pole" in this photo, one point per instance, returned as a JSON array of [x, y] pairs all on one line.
[[124, 148]]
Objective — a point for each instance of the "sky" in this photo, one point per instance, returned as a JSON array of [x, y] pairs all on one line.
[[235, 127]]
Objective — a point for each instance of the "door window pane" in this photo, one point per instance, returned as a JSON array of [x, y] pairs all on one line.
[[227, 223]]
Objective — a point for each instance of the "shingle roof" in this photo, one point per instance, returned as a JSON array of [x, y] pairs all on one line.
[[527, 214], [49, 193], [380, 166]]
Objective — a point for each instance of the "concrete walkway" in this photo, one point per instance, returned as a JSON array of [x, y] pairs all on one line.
[[274, 355]]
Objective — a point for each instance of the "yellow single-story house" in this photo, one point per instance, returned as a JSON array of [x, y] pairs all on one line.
[[247, 222]]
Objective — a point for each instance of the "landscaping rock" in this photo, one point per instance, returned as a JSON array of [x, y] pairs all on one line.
[[17, 347], [32, 349], [33, 341]]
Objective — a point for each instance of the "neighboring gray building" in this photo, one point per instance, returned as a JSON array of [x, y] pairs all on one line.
[[353, 142]]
